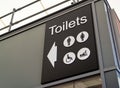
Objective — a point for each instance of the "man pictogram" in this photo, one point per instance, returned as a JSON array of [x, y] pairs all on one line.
[[69, 41]]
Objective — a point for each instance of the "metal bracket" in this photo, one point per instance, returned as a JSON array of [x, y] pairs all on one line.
[[74, 1], [11, 22]]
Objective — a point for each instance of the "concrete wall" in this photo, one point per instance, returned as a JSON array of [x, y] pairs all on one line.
[[20, 59]]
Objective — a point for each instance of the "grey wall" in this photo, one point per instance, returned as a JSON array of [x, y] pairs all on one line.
[[116, 23], [20, 59]]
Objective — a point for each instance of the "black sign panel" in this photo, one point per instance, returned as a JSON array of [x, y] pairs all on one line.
[[70, 47]]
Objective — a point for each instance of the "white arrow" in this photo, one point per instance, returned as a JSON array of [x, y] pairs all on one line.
[[52, 55]]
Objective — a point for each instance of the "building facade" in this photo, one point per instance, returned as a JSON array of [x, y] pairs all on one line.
[[76, 47]]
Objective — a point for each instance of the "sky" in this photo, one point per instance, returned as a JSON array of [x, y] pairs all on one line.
[[7, 6], [115, 4]]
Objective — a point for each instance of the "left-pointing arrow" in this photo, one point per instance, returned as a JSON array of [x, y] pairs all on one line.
[[52, 55]]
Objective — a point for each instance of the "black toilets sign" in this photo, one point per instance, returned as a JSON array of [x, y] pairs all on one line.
[[70, 47]]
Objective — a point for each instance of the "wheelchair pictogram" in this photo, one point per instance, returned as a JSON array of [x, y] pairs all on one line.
[[69, 58]]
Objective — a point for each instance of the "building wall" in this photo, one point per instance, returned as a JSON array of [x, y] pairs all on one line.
[[90, 82], [20, 59], [21, 56], [116, 23]]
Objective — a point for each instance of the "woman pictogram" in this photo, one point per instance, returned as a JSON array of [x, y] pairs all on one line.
[[82, 36]]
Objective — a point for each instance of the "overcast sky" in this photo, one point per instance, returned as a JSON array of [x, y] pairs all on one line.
[[115, 4], [8, 5]]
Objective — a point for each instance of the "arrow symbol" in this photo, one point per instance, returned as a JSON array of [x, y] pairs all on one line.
[[52, 55]]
